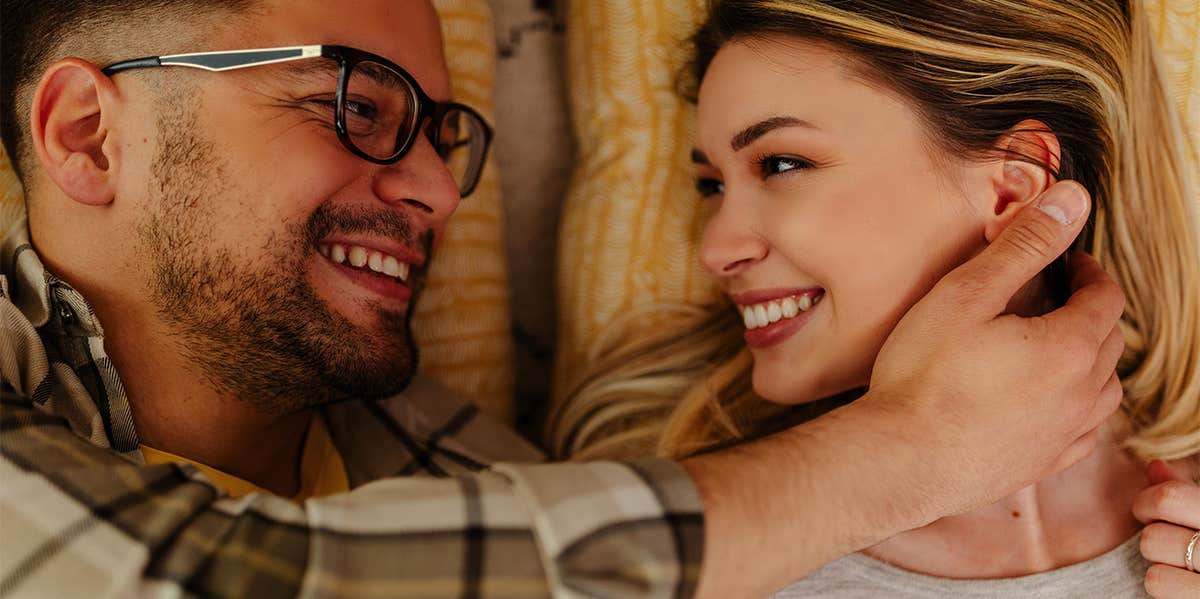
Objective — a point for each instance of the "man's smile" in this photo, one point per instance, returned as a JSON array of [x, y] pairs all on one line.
[[362, 258], [382, 267]]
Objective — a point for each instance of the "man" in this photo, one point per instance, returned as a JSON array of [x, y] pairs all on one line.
[[250, 230]]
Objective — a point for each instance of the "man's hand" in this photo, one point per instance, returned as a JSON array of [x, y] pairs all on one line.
[[965, 406], [1002, 401]]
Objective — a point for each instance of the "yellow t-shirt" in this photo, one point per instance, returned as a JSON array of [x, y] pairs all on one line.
[[322, 471]]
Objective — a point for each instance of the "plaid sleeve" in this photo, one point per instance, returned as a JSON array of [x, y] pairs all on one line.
[[79, 520], [614, 529]]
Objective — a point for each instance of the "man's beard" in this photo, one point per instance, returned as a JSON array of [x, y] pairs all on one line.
[[258, 332]]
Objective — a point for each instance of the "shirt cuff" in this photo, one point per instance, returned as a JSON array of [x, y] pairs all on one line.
[[614, 529]]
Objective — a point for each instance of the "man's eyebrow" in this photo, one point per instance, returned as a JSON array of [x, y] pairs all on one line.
[[311, 68], [378, 74], [382, 76], [761, 128]]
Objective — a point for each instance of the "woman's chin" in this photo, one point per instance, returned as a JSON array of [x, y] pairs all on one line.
[[781, 389], [793, 389]]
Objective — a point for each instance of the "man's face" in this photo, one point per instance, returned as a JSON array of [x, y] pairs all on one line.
[[256, 220]]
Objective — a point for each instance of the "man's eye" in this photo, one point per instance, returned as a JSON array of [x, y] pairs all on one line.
[[709, 187], [775, 165], [361, 108], [323, 105]]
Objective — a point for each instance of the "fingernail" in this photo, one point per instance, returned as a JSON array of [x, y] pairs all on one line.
[[1064, 203]]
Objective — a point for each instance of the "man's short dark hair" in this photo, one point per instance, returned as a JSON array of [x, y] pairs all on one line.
[[35, 33]]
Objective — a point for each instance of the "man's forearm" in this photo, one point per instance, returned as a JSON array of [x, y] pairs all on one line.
[[119, 528], [782, 506]]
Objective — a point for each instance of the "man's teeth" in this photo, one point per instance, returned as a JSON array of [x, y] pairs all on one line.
[[392, 267], [360, 257], [766, 313], [336, 253]]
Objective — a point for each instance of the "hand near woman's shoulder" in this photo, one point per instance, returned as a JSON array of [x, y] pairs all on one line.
[[1170, 508]]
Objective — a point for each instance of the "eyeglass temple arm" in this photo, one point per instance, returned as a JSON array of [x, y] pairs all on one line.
[[137, 63], [219, 61]]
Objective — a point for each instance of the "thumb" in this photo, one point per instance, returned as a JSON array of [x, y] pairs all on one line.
[[1160, 472], [1030, 243]]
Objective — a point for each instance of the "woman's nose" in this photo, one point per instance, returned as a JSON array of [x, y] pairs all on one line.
[[730, 244]]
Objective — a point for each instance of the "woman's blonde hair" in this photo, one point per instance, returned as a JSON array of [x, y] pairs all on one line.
[[972, 69]]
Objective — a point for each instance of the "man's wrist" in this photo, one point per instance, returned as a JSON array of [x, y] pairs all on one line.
[[898, 453], [779, 507]]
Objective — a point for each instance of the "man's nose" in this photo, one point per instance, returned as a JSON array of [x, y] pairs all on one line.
[[730, 244], [419, 180]]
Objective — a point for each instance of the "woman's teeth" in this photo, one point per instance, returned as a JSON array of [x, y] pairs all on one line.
[[363, 258], [758, 316]]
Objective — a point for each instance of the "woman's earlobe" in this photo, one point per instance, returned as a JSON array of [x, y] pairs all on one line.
[[69, 132]]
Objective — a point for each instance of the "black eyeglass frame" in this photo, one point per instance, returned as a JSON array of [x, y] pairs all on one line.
[[347, 58]]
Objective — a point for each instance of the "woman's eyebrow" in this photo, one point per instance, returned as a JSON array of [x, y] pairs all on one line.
[[698, 157], [763, 127]]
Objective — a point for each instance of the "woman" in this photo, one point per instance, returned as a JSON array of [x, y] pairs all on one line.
[[853, 152]]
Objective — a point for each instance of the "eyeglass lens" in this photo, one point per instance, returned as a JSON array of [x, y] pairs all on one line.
[[381, 109], [461, 144]]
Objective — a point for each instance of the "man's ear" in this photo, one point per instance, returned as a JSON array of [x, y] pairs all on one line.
[[69, 126], [1031, 157]]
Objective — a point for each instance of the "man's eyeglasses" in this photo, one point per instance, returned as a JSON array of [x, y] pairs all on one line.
[[378, 109]]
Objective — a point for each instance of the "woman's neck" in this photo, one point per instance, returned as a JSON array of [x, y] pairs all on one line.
[[1070, 517], [1073, 516]]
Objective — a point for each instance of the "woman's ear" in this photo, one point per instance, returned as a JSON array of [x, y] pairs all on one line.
[[70, 129], [1031, 156]]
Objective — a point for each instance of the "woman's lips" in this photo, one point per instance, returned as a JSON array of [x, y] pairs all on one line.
[[777, 315]]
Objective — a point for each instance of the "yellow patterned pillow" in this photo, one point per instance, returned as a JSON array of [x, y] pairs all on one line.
[[630, 216], [462, 322], [12, 199]]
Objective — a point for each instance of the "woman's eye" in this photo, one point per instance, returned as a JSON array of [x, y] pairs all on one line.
[[775, 165], [709, 187]]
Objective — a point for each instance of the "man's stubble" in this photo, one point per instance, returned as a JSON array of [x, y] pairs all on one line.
[[256, 328]]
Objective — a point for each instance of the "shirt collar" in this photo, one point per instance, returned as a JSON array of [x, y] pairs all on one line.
[[42, 297]]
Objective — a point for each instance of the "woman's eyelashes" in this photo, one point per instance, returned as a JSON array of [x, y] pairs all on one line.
[[770, 165], [709, 187], [766, 166]]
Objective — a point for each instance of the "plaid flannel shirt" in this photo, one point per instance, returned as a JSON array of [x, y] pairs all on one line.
[[82, 515]]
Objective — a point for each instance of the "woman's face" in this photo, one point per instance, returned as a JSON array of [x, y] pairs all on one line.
[[827, 190]]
